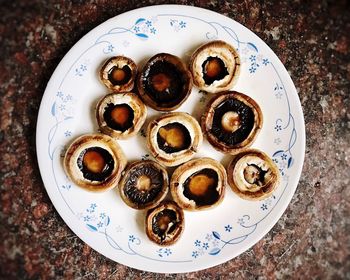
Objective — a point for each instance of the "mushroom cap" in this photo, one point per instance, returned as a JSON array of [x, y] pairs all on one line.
[[252, 175], [144, 184], [178, 82], [228, 56], [207, 121], [175, 158], [79, 146], [174, 228], [126, 66], [195, 166], [139, 111]]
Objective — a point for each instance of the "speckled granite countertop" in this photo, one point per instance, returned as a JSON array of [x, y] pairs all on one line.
[[311, 240]]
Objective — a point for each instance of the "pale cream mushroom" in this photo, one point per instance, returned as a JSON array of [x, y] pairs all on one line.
[[198, 184], [215, 66], [94, 162], [174, 138], [118, 74], [120, 115], [253, 175]]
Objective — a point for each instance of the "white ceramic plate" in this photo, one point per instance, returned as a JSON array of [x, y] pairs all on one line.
[[103, 221]]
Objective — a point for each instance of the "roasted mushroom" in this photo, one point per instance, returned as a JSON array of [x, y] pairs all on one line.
[[215, 66], [198, 184], [232, 121], [164, 82], [144, 184], [118, 74], [120, 115], [94, 162], [253, 175], [165, 223], [174, 138]]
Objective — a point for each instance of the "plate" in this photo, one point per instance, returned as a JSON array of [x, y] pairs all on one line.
[[103, 221]]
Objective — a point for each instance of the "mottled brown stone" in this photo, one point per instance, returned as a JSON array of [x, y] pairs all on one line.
[[40, 210], [312, 238]]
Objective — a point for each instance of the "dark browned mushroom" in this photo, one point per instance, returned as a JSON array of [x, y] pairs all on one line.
[[164, 82], [165, 223], [232, 122], [144, 184]]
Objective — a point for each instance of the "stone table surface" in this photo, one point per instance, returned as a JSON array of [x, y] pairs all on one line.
[[311, 240]]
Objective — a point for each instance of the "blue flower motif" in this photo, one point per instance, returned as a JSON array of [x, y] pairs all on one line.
[[241, 221], [160, 253], [67, 187], [283, 164], [167, 251], [59, 94], [93, 206], [265, 61], [278, 127], [78, 73], [182, 24], [277, 141], [215, 242], [228, 228], [201, 251], [209, 236], [118, 229], [62, 107], [86, 218], [205, 245], [284, 156], [100, 224], [102, 215], [264, 207], [69, 97], [67, 133], [149, 23], [252, 58], [194, 254], [275, 160], [197, 243], [110, 48], [278, 95], [153, 30], [136, 29], [131, 238], [252, 69], [83, 67]]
